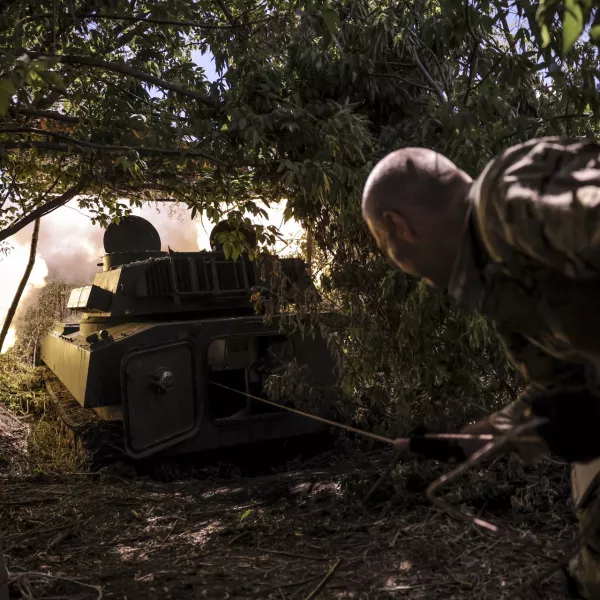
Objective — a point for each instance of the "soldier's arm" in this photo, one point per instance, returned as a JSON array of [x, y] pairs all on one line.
[[541, 201], [558, 390]]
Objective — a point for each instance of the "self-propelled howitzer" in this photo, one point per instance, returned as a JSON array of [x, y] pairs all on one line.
[[155, 330]]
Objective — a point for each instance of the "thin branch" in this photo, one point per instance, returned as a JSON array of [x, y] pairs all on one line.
[[399, 78], [434, 84], [74, 148], [116, 67], [441, 72], [493, 68], [397, 456], [23, 283], [225, 9], [154, 20], [508, 34], [473, 54], [321, 585], [142, 150], [42, 210], [472, 65], [475, 36], [45, 114], [540, 121], [156, 111]]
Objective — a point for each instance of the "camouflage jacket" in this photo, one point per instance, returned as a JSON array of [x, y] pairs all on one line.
[[530, 261]]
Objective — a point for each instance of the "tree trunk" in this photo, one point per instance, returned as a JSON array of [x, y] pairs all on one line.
[[15, 303]]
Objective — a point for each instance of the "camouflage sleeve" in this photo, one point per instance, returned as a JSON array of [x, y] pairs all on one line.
[[540, 202], [545, 375]]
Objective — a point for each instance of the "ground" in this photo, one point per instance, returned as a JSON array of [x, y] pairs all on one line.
[[302, 533]]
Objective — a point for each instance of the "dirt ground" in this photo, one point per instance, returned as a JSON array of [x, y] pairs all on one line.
[[300, 534]]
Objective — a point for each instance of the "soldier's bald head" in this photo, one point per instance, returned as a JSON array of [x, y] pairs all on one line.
[[414, 202], [410, 178]]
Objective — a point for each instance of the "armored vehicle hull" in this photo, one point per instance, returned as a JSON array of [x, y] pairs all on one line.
[[137, 372], [156, 379]]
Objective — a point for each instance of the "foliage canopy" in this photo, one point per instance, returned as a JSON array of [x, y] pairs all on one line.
[[104, 101]]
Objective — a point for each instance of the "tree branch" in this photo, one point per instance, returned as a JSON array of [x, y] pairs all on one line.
[[225, 9], [476, 37], [155, 20], [399, 78], [472, 65], [434, 84], [45, 114], [116, 67], [493, 68], [23, 283], [42, 210], [473, 54], [81, 144]]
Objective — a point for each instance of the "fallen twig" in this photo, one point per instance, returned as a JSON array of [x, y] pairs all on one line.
[[220, 511], [31, 501], [321, 585], [21, 580], [60, 538], [395, 460], [292, 554]]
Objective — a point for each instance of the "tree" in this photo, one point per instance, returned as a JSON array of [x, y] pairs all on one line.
[[22, 284], [104, 102], [45, 307]]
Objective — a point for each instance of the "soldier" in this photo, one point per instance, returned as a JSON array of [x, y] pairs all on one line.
[[520, 245]]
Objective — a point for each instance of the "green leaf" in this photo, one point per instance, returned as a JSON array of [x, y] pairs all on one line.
[[287, 213], [242, 124], [53, 78], [595, 33], [572, 24], [255, 137], [235, 252], [123, 162], [227, 248], [331, 18], [545, 36], [245, 515], [7, 90]]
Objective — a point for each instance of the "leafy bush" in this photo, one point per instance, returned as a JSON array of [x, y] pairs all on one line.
[[43, 308]]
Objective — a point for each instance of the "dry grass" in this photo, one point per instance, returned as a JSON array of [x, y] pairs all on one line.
[[277, 536], [295, 534], [23, 398]]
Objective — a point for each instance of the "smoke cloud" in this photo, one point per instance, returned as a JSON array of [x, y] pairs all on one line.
[[70, 247]]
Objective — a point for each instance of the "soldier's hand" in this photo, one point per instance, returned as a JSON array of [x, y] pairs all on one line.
[[459, 450]]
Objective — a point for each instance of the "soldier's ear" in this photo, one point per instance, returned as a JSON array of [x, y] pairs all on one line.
[[399, 226]]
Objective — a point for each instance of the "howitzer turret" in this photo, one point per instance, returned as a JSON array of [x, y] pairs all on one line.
[[156, 328]]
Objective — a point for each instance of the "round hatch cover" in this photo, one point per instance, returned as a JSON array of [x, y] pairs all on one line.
[[131, 234]]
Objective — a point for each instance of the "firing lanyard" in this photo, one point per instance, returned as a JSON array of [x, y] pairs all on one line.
[[398, 443], [491, 443]]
